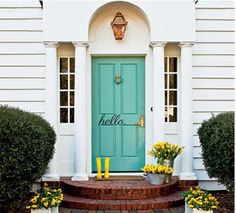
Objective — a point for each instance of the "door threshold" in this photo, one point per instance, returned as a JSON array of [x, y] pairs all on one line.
[[121, 174]]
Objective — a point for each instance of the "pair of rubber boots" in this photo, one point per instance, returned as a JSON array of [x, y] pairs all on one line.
[[99, 168]]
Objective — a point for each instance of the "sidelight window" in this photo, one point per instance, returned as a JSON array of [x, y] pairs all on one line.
[[171, 87], [67, 89]]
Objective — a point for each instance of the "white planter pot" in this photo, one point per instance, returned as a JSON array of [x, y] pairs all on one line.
[[156, 179], [202, 211], [42, 210], [55, 209], [187, 209]]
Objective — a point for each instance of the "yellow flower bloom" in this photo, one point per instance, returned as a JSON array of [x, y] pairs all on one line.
[[45, 204], [34, 206]]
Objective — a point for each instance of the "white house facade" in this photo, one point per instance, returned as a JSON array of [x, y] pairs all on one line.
[[173, 69]]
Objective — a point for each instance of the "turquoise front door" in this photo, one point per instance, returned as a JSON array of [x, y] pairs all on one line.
[[117, 107]]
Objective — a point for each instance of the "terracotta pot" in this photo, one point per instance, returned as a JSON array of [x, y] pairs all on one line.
[[156, 179], [202, 211]]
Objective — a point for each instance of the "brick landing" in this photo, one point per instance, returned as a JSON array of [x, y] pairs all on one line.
[[128, 196], [171, 210]]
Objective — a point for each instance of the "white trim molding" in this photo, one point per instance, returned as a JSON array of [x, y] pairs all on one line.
[[51, 102], [158, 91], [186, 116], [80, 126]]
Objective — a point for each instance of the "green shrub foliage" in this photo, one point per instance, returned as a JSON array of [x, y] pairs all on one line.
[[217, 141], [27, 145]]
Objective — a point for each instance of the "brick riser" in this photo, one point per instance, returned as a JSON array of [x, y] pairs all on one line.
[[130, 191], [173, 200], [122, 195]]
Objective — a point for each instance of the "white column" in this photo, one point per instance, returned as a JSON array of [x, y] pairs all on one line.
[[158, 92], [186, 120], [51, 102], [80, 149]]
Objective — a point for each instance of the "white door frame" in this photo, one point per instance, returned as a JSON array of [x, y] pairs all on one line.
[[148, 105]]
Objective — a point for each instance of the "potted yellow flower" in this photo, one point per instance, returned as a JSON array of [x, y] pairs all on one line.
[[156, 174], [165, 153], [199, 201], [163, 150], [46, 200]]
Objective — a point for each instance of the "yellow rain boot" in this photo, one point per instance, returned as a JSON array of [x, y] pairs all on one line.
[[99, 168], [107, 165]]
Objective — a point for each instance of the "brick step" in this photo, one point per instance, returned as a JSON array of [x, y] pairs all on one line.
[[163, 202], [118, 190]]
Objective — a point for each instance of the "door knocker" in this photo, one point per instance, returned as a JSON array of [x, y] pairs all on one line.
[[118, 79]]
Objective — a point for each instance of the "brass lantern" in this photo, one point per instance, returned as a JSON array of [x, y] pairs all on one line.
[[119, 26]]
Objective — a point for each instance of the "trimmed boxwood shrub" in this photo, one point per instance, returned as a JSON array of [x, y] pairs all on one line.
[[217, 141], [27, 145]]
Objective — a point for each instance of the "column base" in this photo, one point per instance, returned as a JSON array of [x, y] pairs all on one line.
[[80, 177], [187, 176], [50, 177]]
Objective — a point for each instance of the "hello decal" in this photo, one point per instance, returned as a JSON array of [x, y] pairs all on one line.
[[113, 121]]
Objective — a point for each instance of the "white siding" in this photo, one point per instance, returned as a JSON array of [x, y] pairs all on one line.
[[213, 70], [22, 55]]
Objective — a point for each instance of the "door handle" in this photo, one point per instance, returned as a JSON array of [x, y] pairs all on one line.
[[141, 121]]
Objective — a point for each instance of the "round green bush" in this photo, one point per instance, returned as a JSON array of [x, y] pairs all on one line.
[[217, 140], [27, 145]]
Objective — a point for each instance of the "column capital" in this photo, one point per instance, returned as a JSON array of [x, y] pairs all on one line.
[[158, 44], [51, 44], [185, 44], [80, 44]]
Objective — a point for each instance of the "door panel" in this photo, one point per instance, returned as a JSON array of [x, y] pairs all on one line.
[[116, 109]]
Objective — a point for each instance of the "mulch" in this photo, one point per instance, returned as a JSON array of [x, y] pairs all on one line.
[[226, 200]]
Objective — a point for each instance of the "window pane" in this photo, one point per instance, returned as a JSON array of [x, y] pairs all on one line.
[[72, 98], [64, 115], [63, 82], [166, 98], [72, 65], [63, 98], [72, 81], [172, 114], [173, 98], [173, 81], [165, 64], [166, 114], [166, 81], [63, 65], [72, 115], [172, 64]]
